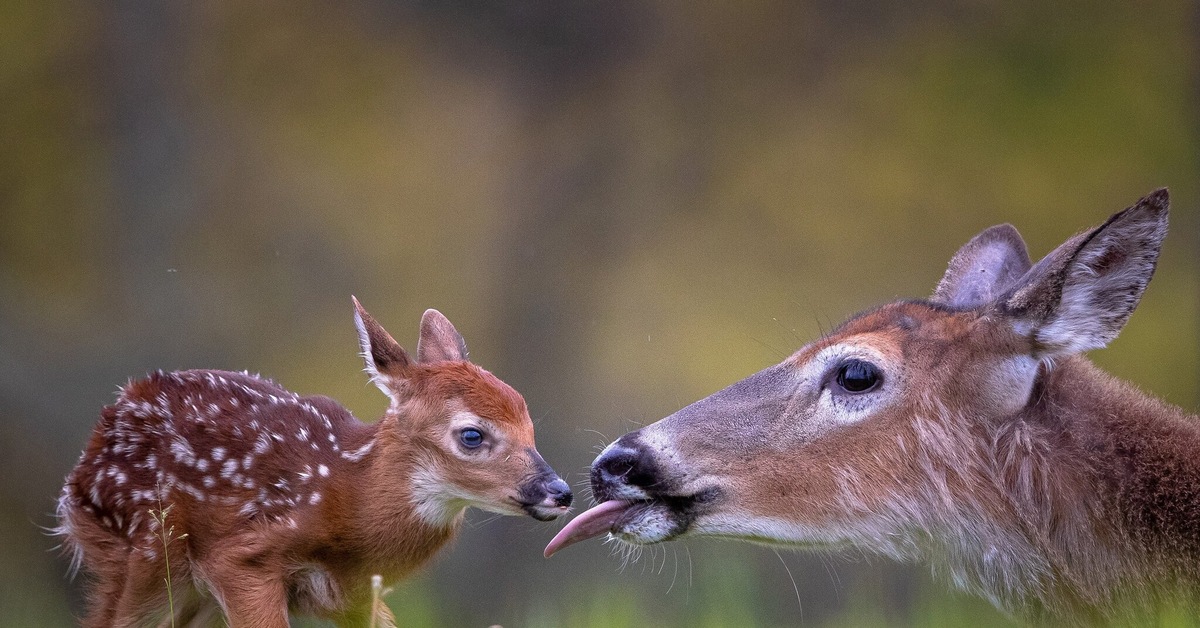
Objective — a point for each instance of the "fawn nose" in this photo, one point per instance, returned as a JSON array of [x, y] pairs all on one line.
[[546, 498], [543, 494], [558, 493], [624, 471]]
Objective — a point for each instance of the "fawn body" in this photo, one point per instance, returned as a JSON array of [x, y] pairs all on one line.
[[268, 500], [965, 430]]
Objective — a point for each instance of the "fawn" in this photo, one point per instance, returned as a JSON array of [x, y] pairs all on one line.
[[264, 501], [966, 430]]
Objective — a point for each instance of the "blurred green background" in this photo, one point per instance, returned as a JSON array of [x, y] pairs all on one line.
[[623, 206]]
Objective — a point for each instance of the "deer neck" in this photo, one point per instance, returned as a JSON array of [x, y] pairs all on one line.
[[1102, 485], [1146, 457]]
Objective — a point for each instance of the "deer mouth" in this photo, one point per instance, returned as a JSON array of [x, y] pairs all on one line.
[[640, 521], [543, 512]]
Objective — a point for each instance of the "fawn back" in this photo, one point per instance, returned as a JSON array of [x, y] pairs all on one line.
[[257, 499], [965, 430]]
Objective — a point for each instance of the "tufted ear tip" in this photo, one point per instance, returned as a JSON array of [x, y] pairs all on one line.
[[1159, 199]]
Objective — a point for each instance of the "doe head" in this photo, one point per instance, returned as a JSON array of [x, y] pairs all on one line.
[[466, 435], [877, 430]]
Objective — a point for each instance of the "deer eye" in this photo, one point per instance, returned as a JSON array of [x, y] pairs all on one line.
[[857, 376], [470, 437]]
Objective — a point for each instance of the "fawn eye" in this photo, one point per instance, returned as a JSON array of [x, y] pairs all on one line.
[[470, 438], [857, 376]]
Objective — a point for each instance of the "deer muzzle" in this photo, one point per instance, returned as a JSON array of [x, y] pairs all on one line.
[[544, 496]]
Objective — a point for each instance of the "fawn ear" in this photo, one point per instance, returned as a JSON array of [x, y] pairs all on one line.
[[440, 341], [1081, 294], [983, 268], [385, 358]]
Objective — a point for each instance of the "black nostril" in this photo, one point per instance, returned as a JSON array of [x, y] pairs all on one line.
[[618, 465], [625, 466], [558, 492]]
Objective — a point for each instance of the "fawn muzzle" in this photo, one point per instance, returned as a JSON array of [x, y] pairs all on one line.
[[544, 496]]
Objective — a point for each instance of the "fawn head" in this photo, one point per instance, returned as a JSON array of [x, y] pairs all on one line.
[[467, 434], [866, 434]]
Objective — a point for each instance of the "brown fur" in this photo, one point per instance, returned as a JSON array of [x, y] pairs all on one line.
[[277, 501], [989, 446]]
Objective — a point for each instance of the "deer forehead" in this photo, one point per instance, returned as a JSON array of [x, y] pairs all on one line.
[[466, 387], [905, 331]]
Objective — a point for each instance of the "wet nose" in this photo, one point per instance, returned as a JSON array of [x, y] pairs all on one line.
[[559, 493], [626, 463]]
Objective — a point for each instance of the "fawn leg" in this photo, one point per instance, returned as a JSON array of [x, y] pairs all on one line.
[[247, 579], [250, 598], [103, 598], [193, 609], [145, 592]]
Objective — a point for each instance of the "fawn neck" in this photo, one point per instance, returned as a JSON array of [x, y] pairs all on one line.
[[381, 510]]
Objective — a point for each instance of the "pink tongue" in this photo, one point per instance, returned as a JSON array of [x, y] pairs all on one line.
[[588, 524]]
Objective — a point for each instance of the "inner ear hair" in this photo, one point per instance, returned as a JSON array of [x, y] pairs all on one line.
[[1080, 295], [439, 340], [983, 268], [383, 355]]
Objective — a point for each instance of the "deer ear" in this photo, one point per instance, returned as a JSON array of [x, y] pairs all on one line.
[[983, 268], [440, 341], [385, 358], [1081, 294]]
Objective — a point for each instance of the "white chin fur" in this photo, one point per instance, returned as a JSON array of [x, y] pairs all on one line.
[[651, 525]]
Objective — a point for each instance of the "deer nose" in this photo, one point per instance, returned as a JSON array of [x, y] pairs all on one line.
[[624, 470], [559, 493]]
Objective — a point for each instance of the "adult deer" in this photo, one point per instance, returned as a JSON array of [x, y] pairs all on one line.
[[256, 499], [966, 430]]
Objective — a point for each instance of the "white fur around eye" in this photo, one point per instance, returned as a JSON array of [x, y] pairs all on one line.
[[464, 419], [836, 407], [846, 409]]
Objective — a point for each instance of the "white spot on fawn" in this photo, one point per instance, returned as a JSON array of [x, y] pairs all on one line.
[[358, 454], [323, 470], [182, 451]]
